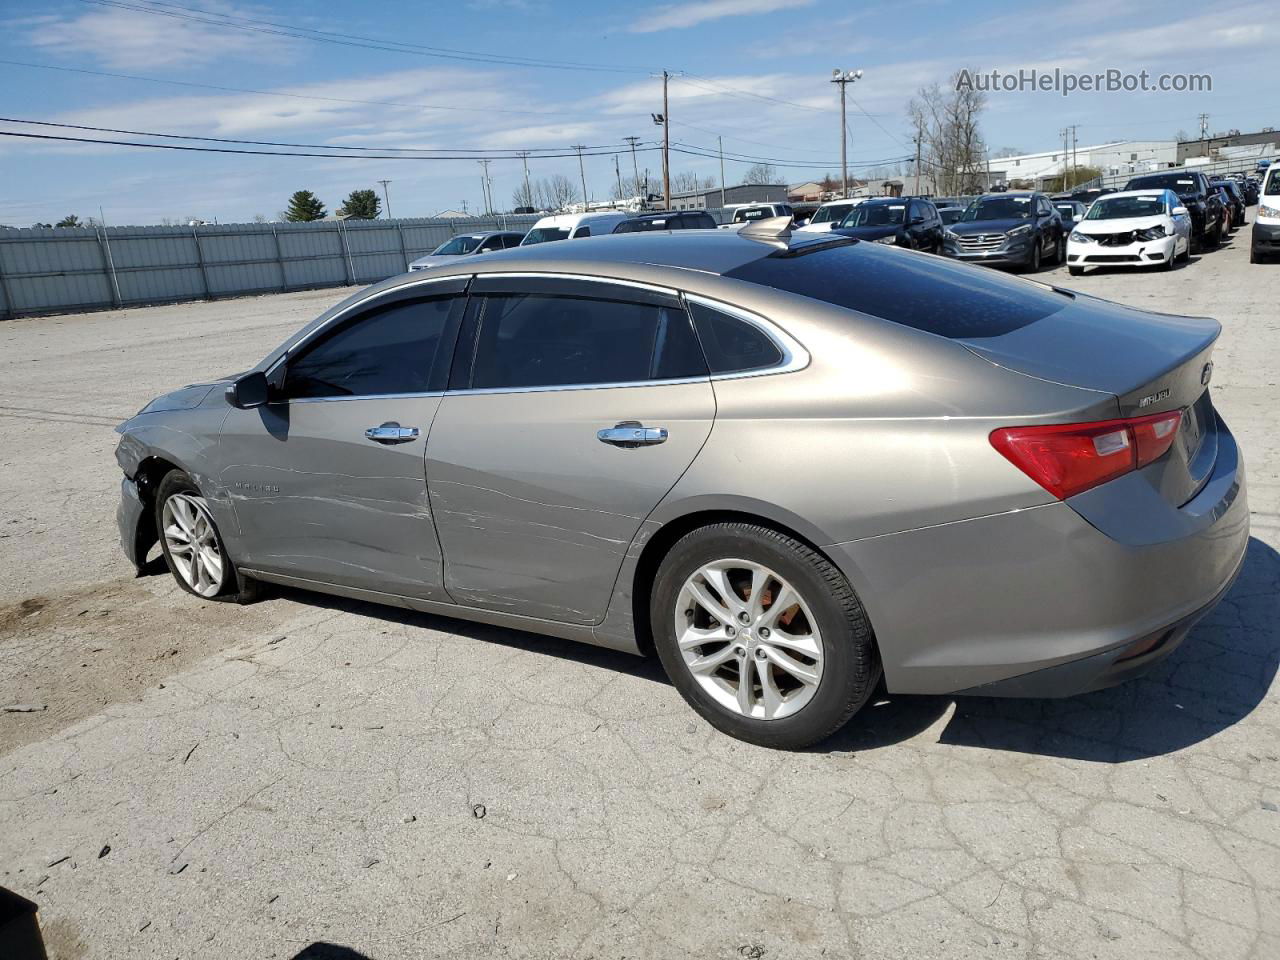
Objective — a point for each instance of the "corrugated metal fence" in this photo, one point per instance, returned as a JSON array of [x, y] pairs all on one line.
[[87, 268]]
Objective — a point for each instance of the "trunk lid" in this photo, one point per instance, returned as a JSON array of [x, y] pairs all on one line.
[[1149, 362]]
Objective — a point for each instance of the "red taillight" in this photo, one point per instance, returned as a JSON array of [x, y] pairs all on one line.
[[1070, 458]]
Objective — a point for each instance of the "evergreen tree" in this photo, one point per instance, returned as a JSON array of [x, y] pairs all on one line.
[[305, 206], [362, 205]]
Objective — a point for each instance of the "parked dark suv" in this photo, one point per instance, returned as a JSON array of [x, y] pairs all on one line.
[[668, 220], [1196, 194], [1019, 229], [911, 222]]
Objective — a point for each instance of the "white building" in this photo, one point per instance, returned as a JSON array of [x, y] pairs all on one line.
[[1118, 157]]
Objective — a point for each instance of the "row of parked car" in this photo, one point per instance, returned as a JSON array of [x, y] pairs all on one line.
[[1155, 221]]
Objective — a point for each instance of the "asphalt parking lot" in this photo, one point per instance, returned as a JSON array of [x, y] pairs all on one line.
[[208, 780]]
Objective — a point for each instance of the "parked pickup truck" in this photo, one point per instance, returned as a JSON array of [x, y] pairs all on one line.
[[1201, 200]]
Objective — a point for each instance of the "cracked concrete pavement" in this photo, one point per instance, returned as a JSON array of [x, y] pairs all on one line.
[[311, 771]]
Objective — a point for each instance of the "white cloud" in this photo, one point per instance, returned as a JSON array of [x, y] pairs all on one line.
[[122, 38], [680, 15]]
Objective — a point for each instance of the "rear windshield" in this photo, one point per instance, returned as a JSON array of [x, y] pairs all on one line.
[[1178, 183], [951, 300], [543, 235], [753, 213]]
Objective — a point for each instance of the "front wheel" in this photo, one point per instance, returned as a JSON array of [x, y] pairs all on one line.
[[191, 544], [762, 635], [1033, 258]]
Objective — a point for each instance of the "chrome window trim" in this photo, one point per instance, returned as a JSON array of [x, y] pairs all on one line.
[[560, 388], [794, 355], [361, 396], [543, 275]]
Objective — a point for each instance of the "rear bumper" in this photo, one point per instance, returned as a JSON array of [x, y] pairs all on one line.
[[988, 603]]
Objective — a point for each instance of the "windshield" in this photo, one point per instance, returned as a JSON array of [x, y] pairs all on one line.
[[998, 208], [1272, 186], [456, 246], [1117, 208], [876, 215], [544, 234], [833, 213], [950, 214], [1168, 181], [1067, 210]]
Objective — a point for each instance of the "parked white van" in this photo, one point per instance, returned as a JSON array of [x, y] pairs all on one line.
[[1266, 224], [572, 226]]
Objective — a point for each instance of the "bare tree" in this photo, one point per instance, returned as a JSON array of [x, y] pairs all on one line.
[[689, 182], [761, 173], [524, 195], [555, 192], [951, 147]]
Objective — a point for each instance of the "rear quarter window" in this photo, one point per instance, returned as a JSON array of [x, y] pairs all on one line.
[[927, 293]]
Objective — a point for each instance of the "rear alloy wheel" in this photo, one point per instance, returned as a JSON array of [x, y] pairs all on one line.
[[762, 635], [1033, 261], [191, 545]]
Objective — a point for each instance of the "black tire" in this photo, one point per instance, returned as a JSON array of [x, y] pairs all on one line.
[[1185, 256], [1033, 258], [851, 661], [1075, 271], [235, 587], [1060, 251]]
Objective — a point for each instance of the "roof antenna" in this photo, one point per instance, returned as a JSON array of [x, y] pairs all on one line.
[[772, 228]]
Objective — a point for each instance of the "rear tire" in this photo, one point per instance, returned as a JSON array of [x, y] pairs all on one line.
[[707, 642], [192, 546]]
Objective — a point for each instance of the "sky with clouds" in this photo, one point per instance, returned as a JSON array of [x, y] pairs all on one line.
[[543, 75]]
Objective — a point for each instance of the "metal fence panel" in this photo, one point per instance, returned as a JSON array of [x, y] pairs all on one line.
[[55, 270]]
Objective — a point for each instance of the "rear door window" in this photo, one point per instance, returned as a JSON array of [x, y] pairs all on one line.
[[542, 340]]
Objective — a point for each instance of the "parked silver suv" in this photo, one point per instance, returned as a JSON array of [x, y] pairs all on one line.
[[786, 465]]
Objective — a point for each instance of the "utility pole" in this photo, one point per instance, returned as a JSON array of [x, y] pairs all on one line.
[[487, 186], [528, 194], [1074, 165], [583, 172], [1064, 132], [617, 172], [386, 196], [720, 141], [916, 138], [635, 166], [1204, 127], [845, 77], [666, 145]]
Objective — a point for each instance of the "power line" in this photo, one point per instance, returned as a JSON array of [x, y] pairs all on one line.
[[279, 153], [501, 153], [276, 93], [275, 28], [706, 83]]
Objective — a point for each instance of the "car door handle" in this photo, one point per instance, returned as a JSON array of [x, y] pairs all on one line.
[[391, 433], [632, 433]]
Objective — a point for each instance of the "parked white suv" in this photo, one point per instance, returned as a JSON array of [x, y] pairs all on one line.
[[1133, 228], [1266, 223]]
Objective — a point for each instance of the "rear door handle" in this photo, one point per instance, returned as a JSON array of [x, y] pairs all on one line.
[[391, 433], [632, 433]]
